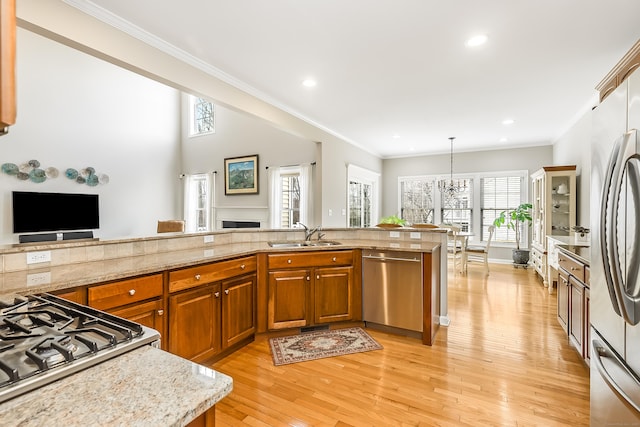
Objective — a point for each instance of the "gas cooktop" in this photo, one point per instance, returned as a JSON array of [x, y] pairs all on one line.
[[44, 338]]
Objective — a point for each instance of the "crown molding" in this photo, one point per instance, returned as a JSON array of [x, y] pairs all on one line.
[[109, 18]]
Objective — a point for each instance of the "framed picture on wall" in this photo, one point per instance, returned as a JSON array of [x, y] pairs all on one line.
[[241, 175]]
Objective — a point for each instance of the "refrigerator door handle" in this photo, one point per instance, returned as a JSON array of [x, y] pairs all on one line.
[[602, 353], [627, 299], [606, 215]]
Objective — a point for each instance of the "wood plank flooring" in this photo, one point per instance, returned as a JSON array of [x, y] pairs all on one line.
[[503, 361]]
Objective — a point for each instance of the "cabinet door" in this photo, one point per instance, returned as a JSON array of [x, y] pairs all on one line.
[[576, 313], [150, 314], [7, 63], [238, 310], [194, 330], [288, 305], [333, 294], [563, 301]]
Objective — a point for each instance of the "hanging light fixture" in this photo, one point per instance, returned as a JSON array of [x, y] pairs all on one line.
[[450, 186]]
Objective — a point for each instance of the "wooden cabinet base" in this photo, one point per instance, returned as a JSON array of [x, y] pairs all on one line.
[[208, 419]]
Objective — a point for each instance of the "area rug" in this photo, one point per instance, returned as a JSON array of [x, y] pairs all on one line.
[[320, 344]]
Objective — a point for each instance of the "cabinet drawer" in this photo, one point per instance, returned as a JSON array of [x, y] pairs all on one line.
[[310, 259], [199, 275], [104, 297], [572, 266]]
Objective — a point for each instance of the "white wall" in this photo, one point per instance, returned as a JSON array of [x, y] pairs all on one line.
[[237, 135], [574, 148], [62, 22], [76, 111]]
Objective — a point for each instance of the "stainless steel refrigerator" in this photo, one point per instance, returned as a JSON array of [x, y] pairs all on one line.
[[615, 258]]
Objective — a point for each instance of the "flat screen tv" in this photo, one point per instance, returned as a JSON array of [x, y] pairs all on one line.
[[34, 212]]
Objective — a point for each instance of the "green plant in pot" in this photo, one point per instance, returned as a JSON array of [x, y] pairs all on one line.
[[393, 219], [512, 219]]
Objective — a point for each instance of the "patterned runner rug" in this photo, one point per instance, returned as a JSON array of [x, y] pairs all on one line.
[[317, 345]]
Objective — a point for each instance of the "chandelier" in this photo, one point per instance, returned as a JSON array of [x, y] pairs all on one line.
[[450, 186]]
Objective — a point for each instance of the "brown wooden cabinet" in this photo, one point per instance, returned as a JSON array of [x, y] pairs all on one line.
[[310, 288], [7, 64], [573, 302], [211, 308], [576, 313], [78, 295], [623, 69], [138, 299], [238, 310], [289, 295], [332, 298], [194, 323], [563, 300]]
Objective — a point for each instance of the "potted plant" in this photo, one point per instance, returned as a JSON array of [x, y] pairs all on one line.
[[513, 218], [391, 221]]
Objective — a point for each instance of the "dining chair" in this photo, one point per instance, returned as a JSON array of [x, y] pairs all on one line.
[[455, 246], [478, 252], [171, 226]]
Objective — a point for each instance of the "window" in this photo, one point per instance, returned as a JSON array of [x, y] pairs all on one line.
[[474, 209], [290, 209], [290, 199], [362, 202], [202, 117], [500, 194], [417, 204], [197, 202], [457, 209]]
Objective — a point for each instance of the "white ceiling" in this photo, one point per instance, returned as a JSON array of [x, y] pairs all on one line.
[[401, 67]]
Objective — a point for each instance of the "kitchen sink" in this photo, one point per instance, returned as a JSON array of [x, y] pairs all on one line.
[[302, 243]]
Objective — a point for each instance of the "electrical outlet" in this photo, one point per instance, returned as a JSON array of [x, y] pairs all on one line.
[[344, 212], [37, 257], [208, 239], [395, 234], [39, 278], [330, 212], [394, 245], [208, 253], [415, 235], [416, 246]]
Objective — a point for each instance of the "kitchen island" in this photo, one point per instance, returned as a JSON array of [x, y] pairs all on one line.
[[146, 386], [77, 269]]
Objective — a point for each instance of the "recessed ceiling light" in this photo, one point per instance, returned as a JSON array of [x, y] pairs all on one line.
[[309, 83], [478, 40], [508, 122], [396, 136], [503, 140]]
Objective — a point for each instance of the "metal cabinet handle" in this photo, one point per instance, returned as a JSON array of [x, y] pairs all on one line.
[[226, 291], [197, 277], [132, 292], [308, 278], [242, 267], [317, 277], [160, 312], [217, 294], [334, 259], [288, 261], [574, 268]]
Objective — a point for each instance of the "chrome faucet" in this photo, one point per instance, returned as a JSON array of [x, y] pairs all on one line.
[[309, 232]]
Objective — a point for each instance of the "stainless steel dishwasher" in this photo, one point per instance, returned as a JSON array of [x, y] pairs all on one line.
[[392, 289]]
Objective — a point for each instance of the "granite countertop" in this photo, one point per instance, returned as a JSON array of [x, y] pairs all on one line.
[[48, 279], [145, 387], [581, 253]]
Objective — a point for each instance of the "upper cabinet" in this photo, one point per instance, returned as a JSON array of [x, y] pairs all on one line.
[[7, 64], [623, 69]]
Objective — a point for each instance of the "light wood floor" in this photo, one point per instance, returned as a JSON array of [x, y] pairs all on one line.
[[503, 361]]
